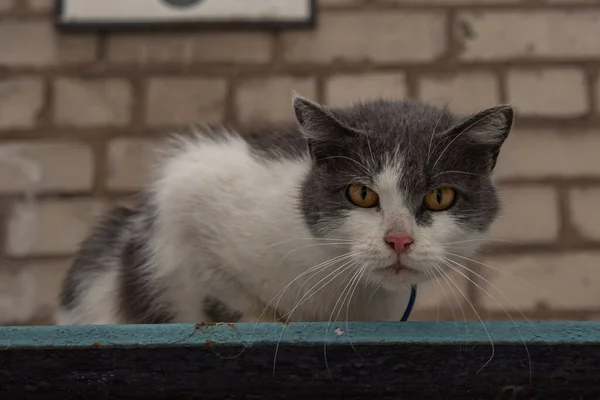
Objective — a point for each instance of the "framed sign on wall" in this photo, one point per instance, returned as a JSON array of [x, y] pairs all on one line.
[[156, 14]]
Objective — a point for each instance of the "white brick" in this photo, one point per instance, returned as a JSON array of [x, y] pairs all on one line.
[[87, 103], [30, 292], [347, 89], [549, 154], [549, 92], [174, 101], [584, 204], [129, 162], [378, 36], [270, 100], [565, 281], [448, 2], [41, 5], [50, 227], [21, 100], [529, 215], [6, 5], [497, 35], [62, 166], [252, 47], [37, 43], [330, 3], [462, 93]]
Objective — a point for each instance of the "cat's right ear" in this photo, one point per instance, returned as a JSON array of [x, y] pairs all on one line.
[[325, 134]]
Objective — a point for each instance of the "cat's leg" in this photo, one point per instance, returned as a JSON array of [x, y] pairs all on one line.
[[90, 302], [230, 301]]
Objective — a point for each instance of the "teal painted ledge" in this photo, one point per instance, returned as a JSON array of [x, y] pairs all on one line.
[[410, 360]]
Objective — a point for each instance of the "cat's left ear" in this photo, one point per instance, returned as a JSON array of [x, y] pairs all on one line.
[[323, 130], [486, 130]]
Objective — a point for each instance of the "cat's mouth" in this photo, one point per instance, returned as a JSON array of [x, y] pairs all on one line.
[[398, 268]]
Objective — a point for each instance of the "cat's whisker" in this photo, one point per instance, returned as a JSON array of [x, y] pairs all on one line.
[[338, 271], [346, 289], [462, 311], [501, 271], [305, 246], [313, 270], [364, 168], [456, 172], [309, 294], [358, 282], [433, 132], [477, 240], [313, 275], [447, 262], [379, 286], [483, 278], [466, 129], [449, 279], [440, 272], [311, 239]]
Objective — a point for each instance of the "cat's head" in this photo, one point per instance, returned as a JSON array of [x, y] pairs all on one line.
[[408, 184]]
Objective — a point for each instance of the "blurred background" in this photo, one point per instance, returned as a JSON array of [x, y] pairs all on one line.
[[81, 112]]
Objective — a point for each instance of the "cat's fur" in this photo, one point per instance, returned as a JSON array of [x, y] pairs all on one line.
[[230, 220]]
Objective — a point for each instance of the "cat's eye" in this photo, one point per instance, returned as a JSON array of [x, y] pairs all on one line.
[[439, 199], [362, 196]]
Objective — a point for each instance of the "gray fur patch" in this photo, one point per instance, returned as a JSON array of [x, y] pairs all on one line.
[[433, 147], [140, 297], [96, 255], [217, 311], [118, 241]]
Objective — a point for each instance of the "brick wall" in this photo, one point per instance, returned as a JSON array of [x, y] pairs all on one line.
[[84, 110]]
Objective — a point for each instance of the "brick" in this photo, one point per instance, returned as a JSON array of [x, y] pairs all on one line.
[[529, 215], [376, 36], [556, 281], [50, 227], [549, 154], [21, 100], [62, 166], [448, 2], [549, 92], [143, 49], [598, 93], [44, 6], [501, 35], [269, 100], [173, 101], [346, 89], [583, 207], [129, 162], [6, 5], [88, 103], [332, 3], [463, 92], [38, 44], [443, 294], [30, 292]]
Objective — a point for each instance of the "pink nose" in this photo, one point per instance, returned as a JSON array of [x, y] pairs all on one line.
[[399, 242]]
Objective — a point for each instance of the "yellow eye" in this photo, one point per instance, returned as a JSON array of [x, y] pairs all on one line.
[[361, 196], [439, 199]]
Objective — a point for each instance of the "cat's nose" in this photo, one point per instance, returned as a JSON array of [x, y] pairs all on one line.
[[399, 242]]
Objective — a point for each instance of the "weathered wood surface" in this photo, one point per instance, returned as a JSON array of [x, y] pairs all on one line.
[[411, 360]]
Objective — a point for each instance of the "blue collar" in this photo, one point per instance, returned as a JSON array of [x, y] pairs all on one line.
[[411, 303]]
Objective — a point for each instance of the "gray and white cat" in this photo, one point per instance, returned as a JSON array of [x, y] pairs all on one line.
[[334, 219]]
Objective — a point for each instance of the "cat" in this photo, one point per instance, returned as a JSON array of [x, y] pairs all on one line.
[[334, 218]]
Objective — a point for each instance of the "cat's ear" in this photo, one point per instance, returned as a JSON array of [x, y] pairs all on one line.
[[485, 131], [324, 132]]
